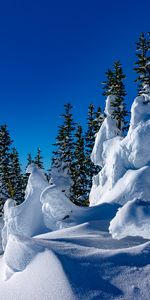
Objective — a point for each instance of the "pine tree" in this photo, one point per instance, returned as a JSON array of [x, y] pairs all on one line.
[[94, 122], [16, 178], [29, 159], [5, 181], [114, 86], [38, 159], [120, 111], [62, 159], [109, 83], [79, 188], [26, 176], [99, 119], [142, 65]]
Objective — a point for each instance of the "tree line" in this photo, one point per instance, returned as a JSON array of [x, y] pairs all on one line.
[[73, 146]]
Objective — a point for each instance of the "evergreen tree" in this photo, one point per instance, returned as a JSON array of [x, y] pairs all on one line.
[[26, 176], [114, 86], [142, 65], [94, 122], [98, 120], [38, 159], [29, 159], [5, 181], [62, 159], [79, 188], [16, 177], [109, 83]]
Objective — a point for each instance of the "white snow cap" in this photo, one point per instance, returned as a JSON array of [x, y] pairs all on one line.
[[107, 131]]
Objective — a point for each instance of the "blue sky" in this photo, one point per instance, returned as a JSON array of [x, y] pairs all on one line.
[[53, 52]]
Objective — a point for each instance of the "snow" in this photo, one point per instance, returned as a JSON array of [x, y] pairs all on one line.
[[107, 131], [60, 177], [125, 161], [22, 219], [81, 262], [56, 250], [132, 219], [56, 207]]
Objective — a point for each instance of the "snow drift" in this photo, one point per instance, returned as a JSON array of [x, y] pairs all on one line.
[[132, 219]]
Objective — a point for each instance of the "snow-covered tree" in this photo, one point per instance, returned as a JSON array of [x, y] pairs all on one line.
[[142, 65], [114, 85], [79, 188], [38, 159]]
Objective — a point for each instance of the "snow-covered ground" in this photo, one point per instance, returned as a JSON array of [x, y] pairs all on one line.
[[54, 250], [81, 262]]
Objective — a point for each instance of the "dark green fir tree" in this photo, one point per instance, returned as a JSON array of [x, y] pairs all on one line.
[[16, 177], [114, 86], [79, 193], [63, 155], [142, 65], [38, 159], [6, 187], [94, 122]]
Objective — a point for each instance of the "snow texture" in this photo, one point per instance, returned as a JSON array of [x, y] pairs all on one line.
[[81, 262]]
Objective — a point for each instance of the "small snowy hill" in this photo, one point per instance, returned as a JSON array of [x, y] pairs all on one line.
[[55, 250]]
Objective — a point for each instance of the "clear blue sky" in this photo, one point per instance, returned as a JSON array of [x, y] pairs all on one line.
[[52, 52]]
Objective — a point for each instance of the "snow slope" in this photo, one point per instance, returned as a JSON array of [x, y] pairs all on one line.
[[81, 262]]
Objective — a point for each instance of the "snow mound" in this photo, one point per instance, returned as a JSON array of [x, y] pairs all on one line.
[[18, 254], [56, 207], [133, 219], [123, 159], [26, 219]]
